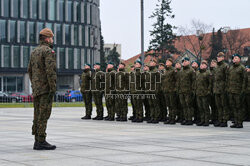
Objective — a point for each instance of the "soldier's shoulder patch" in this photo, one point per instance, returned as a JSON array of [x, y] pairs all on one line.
[[52, 51]]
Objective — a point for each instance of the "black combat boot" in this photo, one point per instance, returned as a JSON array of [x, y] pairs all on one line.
[[134, 120], [167, 122], [155, 121], [111, 119], [150, 121], [139, 121], [118, 118], [200, 124], [233, 126], [206, 124], [189, 123], [124, 119], [95, 118], [107, 118], [86, 117], [43, 146], [217, 124], [183, 122], [224, 124], [172, 122], [131, 118], [100, 118], [239, 126]]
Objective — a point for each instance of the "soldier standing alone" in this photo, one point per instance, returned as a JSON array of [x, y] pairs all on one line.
[[42, 73]]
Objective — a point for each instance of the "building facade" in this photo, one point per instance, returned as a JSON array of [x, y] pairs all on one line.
[[110, 47], [76, 25]]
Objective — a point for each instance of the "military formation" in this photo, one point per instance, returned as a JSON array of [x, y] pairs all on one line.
[[187, 93]]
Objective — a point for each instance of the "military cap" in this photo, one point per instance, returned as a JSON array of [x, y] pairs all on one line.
[[152, 60], [132, 66], [220, 54], [170, 59], [47, 32], [138, 61], [185, 59], [87, 64], [146, 65], [196, 62], [97, 64], [204, 62], [161, 64], [248, 66], [234, 55], [111, 63], [213, 60], [122, 63]]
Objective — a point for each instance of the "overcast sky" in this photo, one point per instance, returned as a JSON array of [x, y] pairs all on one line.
[[121, 18]]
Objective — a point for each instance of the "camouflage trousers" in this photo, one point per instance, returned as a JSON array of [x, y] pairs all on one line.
[[247, 107], [235, 101], [42, 112], [203, 107], [111, 106], [179, 112], [154, 107], [87, 99], [138, 106], [187, 105], [220, 101], [214, 111], [196, 109], [147, 107], [121, 105], [171, 103], [162, 105], [97, 96]]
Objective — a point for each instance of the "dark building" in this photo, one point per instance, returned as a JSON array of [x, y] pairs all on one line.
[[76, 25]]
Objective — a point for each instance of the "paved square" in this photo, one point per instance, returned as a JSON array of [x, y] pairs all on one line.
[[102, 143]]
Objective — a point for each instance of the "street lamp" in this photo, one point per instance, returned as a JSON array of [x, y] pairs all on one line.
[[199, 34], [142, 32]]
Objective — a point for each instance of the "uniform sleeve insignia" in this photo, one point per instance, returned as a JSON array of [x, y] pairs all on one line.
[[52, 51]]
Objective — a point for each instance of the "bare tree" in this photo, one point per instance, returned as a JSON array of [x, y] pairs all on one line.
[[196, 38], [234, 40]]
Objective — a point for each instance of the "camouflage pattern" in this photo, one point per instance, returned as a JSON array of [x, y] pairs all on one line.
[[161, 100], [235, 89], [246, 89], [146, 78], [169, 89], [214, 111], [109, 93], [98, 79], [195, 104], [219, 90], [136, 87], [42, 73], [122, 83], [86, 91], [186, 91], [203, 90], [180, 113]]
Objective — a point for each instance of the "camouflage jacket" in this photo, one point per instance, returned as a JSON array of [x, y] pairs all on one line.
[[110, 81], [246, 84], [235, 78], [86, 80], [203, 83], [212, 71], [146, 80], [97, 81], [186, 80], [42, 70], [169, 80], [122, 81], [136, 81], [220, 78], [177, 77], [155, 80]]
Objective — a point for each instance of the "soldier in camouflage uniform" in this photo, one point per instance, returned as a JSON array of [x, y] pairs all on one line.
[[86, 90], [246, 89], [169, 89], [132, 68], [203, 90], [214, 111], [146, 77], [98, 79], [110, 92], [42, 73], [122, 82], [219, 90], [186, 91], [136, 87], [180, 113], [161, 97], [236, 91], [154, 106], [195, 65]]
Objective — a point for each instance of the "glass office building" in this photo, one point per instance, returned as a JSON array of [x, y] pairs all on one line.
[[76, 25]]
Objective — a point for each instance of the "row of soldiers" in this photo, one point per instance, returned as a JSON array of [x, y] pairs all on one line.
[[186, 93]]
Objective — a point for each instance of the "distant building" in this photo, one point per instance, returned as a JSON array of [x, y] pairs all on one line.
[[76, 25], [109, 47]]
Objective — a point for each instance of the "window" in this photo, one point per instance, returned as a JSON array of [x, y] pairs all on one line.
[[76, 40], [44, 9], [22, 32], [71, 58], [78, 55], [13, 32], [58, 34], [26, 56], [83, 36], [32, 31], [78, 11], [62, 58], [25, 9], [52, 10], [49, 25], [40, 26], [3, 34], [16, 56], [61, 10], [16, 8], [67, 35], [7, 56], [70, 14], [6, 8], [19, 84], [13, 84], [34, 9]]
